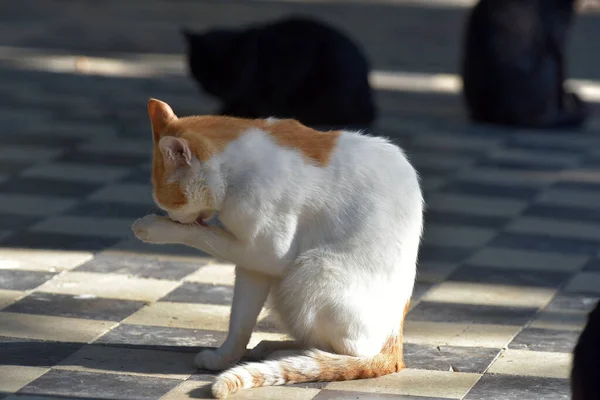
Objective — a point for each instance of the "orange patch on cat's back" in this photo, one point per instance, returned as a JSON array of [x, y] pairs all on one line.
[[209, 135], [314, 145]]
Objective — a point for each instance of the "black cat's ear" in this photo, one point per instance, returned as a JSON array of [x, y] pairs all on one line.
[[187, 33]]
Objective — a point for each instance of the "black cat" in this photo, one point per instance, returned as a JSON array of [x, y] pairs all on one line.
[[513, 64], [585, 375], [293, 68]]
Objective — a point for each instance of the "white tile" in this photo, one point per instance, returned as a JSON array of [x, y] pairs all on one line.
[[459, 334], [115, 286], [214, 274], [7, 297], [414, 382], [14, 377], [44, 327], [580, 175], [214, 317], [489, 294], [533, 363], [201, 390], [41, 259]]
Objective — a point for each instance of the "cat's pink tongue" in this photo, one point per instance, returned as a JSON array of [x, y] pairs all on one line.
[[201, 221]]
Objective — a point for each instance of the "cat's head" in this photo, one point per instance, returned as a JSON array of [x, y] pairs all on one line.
[[216, 60], [186, 181]]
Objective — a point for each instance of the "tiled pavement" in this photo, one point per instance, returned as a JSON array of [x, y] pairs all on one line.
[[510, 263]]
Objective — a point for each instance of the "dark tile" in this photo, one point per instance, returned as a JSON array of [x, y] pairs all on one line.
[[572, 302], [432, 253], [270, 323], [52, 141], [467, 313], [118, 160], [520, 165], [62, 305], [445, 358], [592, 266], [545, 243], [22, 280], [203, 293], [107, 386], [59, 241], [591, 162], [142, 266], [50, 187], [504, 276], [509, 387], [450, 218], [488, 189], [162, 338], [208, 377], [12, 167], [583, 186], [34, 353], [420, 289], [562, 318], [346, 395], [141, 176], [12, 222], [109, 210], [563, 212], [310, 385], [551, 340], [545, 147]]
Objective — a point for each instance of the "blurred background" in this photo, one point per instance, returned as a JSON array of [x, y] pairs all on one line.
[[509, 265]]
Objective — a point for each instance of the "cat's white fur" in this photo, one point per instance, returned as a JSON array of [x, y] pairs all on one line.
[[335, 246]]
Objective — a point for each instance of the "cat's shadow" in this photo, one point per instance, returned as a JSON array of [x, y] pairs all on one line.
[[203, 392]]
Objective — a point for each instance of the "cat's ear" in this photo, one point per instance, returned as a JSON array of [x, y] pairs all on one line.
[[161, 114], [176, 151], [187, 34]]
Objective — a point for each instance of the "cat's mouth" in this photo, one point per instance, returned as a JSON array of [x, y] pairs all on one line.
[[203, 217]]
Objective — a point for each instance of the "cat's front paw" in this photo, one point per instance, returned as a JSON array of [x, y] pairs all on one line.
[[154, 229], [213, 360]]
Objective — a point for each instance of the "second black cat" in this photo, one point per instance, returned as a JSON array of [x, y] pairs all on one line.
[[293, 68], [585, 375], [513, 65]]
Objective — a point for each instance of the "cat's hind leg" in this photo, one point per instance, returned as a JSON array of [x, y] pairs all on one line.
[[250, 293], [271, 348]]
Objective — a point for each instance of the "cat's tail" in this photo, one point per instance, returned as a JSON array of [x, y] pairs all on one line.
[[312, 366]]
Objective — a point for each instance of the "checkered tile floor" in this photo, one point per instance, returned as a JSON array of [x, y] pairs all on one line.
[[508, 270]]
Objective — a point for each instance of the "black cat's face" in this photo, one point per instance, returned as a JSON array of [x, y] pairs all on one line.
[[212, 60]]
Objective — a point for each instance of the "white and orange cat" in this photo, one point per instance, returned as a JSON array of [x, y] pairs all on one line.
[[325, 224]]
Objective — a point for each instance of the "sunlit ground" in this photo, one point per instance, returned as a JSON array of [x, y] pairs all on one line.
[[509, 265]]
